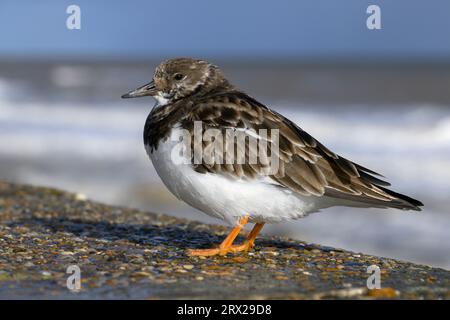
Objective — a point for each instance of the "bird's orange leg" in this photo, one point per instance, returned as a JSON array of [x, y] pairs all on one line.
[[250, 242], [225, 246]]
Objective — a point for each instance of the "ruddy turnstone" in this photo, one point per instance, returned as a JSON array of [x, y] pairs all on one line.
[[296, 176]]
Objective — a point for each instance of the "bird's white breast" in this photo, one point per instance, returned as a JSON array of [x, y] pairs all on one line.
[[227, 198]]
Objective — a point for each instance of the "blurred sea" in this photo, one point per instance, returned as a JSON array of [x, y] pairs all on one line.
[[64, 125]]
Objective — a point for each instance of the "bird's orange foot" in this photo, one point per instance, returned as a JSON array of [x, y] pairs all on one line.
[[203, 252], [246, 246], [227, 245]]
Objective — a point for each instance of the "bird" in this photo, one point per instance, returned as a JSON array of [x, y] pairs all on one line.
[[192, 97]]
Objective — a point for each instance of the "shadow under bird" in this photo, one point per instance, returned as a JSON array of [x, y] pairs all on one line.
[[309, 176]]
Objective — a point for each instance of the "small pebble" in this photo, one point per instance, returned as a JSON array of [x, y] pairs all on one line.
[[80, 197], [188, 266]]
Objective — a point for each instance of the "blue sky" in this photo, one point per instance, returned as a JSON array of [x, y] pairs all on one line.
[[319, 29]]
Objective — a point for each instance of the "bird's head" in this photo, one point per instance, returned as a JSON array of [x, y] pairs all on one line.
[[180, 78]]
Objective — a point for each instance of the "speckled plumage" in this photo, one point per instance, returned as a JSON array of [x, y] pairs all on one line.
[[310, 176]]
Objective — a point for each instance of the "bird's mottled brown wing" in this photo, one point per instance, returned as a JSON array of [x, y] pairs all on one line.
[[305, 165]]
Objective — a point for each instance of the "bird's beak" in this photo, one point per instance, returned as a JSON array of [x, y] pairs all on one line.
[[148, 89]]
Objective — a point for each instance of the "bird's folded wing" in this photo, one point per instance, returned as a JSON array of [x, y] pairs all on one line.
[[304, 165]]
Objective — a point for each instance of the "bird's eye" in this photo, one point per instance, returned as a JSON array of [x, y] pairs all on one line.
[[178, 76]]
